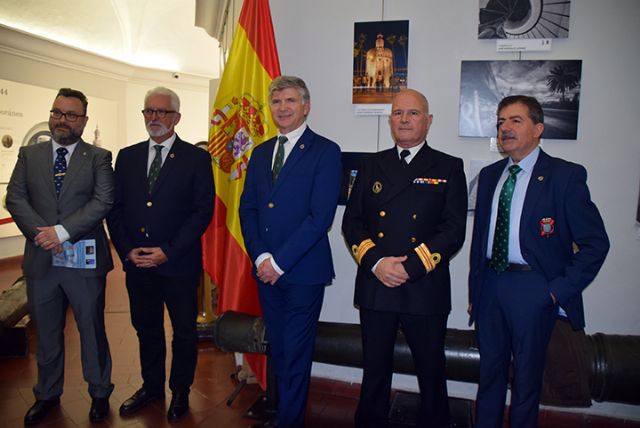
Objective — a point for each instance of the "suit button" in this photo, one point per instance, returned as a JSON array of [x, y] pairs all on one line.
[[414, 216], [149, 204], [413, 239], [270, 205], [382, 213], [142, 229], [380, 235]]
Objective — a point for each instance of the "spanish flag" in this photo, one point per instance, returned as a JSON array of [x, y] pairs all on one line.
[[240, 121]]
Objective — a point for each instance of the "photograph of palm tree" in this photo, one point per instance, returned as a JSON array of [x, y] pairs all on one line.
[[555, 83], [380, 58], [524, 19]]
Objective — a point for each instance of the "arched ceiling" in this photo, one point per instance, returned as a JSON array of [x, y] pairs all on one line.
[[158, 34]]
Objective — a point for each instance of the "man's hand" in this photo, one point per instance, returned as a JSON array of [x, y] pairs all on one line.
[[147, 257], [266, 272], [47, 238], [391, 272]]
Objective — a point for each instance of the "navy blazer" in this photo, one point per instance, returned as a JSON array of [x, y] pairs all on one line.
[[291, 219], [173, 216], [399, 208], [558, 191]]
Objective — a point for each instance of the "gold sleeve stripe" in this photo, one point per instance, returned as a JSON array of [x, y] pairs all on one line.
[[428, 260], [360, 250]]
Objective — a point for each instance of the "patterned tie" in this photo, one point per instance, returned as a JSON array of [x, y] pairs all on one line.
[[500, 250], [279, 160], [154, 171], [403, 155], [59, 168]]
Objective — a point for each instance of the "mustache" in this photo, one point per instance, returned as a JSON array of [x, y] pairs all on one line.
[[504, 135], [63, 126]]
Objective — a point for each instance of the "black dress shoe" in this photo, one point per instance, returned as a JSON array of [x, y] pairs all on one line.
[[138, 401], [39, 410], [99, 409], [266, 424], [179, 406]]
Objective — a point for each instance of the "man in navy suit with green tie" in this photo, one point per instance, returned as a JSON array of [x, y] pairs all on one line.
[[164, 198], [286, 209], [538, 241]]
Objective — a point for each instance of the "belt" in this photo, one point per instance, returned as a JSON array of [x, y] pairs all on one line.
[[514, 267]]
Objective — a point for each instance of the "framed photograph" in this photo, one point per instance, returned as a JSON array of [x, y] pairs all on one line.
[[524, 19], [555, 83], [380, 58]]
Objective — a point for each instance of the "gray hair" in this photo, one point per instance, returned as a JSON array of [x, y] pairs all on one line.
[[284, 82], [161, 90]]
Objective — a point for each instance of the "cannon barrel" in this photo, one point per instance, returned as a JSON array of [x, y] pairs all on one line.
[[615, 365]]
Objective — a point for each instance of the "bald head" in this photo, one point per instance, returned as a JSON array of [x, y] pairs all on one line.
[[410, 119]]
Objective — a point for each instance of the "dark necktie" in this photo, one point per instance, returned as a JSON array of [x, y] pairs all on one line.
[[500, 250], [403, 155], [156, 164], [59, 168], [279, 160]]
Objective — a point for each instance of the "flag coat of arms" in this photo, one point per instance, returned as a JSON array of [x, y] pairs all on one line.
[[240, 120]]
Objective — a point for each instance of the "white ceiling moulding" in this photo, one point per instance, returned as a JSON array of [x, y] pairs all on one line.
[[212, 16], [32, 47]]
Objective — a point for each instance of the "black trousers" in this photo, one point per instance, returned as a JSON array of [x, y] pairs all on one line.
[[148, 295], [425, 336]]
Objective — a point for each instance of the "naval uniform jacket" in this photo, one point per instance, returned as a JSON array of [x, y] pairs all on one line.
[[400, 208]]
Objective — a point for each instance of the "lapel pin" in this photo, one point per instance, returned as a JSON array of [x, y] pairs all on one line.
[[541, 178], [301, 146], [377, 187], [172, 155]]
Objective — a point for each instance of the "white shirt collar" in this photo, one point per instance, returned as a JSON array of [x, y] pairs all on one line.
[[412, 151], [295, 135], [168, 143]]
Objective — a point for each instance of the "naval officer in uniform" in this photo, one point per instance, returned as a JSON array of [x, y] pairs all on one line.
[[404, 221]]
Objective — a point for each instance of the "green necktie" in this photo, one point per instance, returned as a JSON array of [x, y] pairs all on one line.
[[154, 171], [279, 160], [500, 250]]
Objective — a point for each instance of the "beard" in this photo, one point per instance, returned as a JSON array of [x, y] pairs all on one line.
[[158, 130], [65, 138]]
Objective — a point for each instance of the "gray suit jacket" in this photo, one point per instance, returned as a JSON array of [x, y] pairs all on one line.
[[85, 199]]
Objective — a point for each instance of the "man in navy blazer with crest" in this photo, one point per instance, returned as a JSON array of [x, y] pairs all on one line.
[[286, 209], [556, 244], [164, 201]]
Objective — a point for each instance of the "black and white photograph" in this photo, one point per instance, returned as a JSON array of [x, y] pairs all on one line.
[[524, 19], [555, 83], [380, 58]]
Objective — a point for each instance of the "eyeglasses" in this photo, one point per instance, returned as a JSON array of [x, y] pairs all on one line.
[[148, 112], [69, 116]]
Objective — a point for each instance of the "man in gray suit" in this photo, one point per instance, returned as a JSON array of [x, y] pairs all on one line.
[[58, 195]]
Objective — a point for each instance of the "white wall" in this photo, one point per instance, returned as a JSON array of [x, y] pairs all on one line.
[[314, 41]]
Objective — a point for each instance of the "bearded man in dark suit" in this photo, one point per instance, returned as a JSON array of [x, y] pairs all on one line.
[[58, 195]]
